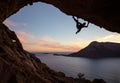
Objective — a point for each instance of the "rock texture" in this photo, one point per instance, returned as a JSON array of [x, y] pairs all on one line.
[[104, 13], [19, 66], [99, 50]]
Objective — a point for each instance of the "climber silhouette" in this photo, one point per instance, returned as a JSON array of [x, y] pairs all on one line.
[[79, 25]]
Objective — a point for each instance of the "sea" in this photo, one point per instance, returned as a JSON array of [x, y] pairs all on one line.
[[107, 69]]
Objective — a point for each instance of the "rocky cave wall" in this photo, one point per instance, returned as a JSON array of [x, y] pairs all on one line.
[[104, 13], [18, 66]]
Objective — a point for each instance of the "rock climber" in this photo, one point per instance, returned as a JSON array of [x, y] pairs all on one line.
[[79, 25]]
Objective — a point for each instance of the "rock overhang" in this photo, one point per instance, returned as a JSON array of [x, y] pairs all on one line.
[[104, 13]]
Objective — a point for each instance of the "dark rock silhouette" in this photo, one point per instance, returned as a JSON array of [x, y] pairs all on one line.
[[104, 13], [99, 50], [98, 81], [56, 54]]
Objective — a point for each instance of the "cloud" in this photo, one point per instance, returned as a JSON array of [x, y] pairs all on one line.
[[110, 38], [56, 45], [46, 44], [11, 23], [25, 37]]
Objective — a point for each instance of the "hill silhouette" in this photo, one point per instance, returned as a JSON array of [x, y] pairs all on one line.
[[99, 50]]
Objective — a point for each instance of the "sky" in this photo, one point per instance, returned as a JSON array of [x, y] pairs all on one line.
[[44, 28]]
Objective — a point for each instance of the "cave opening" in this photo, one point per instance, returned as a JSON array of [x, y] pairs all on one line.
[[44, 23]]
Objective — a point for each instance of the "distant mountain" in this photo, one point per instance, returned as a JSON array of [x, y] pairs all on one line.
[[99, 50]]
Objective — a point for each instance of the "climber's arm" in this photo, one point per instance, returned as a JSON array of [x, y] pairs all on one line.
[[75, 19]]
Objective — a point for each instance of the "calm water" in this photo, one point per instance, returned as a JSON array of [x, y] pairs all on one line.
[[107, 69]]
